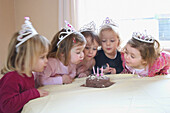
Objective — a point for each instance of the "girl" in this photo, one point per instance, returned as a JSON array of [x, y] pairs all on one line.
[[109, 57], [66, 52], [142, 56], [26, 53], [84, 68]]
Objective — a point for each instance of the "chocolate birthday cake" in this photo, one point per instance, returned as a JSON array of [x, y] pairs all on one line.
[[98, 81]]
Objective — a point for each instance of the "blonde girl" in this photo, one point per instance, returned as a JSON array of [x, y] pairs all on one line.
[[109, 57], [27, 52], [67, 51], [142, 56]]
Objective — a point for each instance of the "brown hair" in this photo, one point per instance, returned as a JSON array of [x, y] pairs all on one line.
[[149, 51], [93, 36], [65, 46], [25, 57]]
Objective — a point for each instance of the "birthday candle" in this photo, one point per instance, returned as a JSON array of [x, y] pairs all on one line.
[[97, 71], [94, 71], [102, 71]]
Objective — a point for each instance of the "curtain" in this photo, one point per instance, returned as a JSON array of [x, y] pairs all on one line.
[[67, 11]]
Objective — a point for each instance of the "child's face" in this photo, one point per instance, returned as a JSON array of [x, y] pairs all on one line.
[[110, 41], [77, 54], [133, 57], [90, 49], [41, 63]]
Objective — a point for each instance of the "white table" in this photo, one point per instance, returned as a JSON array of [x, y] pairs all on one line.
[[130, 94]]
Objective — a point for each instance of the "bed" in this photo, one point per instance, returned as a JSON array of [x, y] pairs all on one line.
[[130, 94]]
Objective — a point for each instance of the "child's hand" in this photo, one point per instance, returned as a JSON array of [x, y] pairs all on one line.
[[112, 70], [67, 79], [82, 75], [107, 69], [42, 92]]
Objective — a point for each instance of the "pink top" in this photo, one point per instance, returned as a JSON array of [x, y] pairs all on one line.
[[142, 72], [16, 91], [160, 66], [55, 67]]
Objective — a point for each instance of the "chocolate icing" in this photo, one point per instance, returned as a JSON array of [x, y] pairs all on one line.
[[98, 81]]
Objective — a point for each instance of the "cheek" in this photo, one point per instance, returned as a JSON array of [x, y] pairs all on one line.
[[74, 56], [41, 64], [103, 45], [135, 62], [38, 67], [94, 52], [115, 44], [85, 52]]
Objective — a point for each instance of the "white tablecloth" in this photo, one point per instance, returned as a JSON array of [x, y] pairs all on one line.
[[130, 94]]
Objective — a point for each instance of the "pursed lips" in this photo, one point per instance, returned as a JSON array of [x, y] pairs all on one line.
[[108, 48]]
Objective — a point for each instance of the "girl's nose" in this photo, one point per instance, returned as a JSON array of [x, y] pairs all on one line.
[[127, 57], [91, 51], [108, 43], [82, 55], [46, 60]]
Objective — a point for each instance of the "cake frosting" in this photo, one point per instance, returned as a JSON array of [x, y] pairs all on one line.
[[98, 81]]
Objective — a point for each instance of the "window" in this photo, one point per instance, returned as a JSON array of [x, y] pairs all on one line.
[[131, 15], [164, 27]]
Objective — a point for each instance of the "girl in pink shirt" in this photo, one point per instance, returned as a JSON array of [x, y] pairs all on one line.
[[142, 56], [27, 52], [66, 52]]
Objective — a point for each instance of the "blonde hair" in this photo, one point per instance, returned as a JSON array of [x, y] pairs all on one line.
[[74, 39], [25, 57], [111, 27], [149, 51]]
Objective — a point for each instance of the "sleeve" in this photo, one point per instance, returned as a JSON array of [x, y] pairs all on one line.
[[47, 77], [12, 100], [166, 64], [161, 65], [72, 71]]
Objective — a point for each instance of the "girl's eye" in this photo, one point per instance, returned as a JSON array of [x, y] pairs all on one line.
[[94, 48], [112, 40], [42, 57], [132, 56], [78, 52], [103, 40], [87, 47]]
